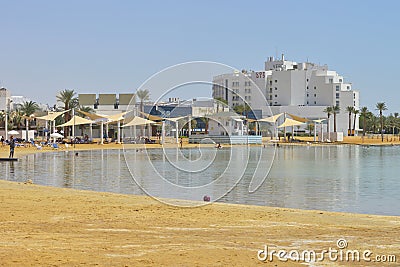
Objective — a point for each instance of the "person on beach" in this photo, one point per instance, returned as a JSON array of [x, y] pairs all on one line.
[[12, 146], [181, 142]]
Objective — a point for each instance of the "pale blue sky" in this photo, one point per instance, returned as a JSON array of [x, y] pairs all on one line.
[[114, 46]]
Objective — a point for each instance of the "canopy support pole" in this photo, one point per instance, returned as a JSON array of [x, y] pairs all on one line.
[[102, 132], [119, 132], [176, 132]]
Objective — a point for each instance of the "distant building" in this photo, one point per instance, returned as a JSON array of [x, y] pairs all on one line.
[[302, 89], [5, 99], [107, 104]]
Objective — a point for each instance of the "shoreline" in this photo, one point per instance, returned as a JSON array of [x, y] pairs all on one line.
[[304, 141], [43, 225]]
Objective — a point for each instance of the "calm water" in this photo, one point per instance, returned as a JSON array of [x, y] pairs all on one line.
[[334, 178]]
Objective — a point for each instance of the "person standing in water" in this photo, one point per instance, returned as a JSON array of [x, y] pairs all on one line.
[[12, 146]]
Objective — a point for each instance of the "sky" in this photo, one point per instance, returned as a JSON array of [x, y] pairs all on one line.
[[115, 46]]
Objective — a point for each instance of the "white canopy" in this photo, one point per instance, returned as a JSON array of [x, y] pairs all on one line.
[[76, 120], [136, 121], [289, 122], [271, 119], [115, 117], [176, 119], [51, 116], [319, 121]]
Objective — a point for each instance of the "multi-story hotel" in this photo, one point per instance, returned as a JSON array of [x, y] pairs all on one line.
[[301, 89]]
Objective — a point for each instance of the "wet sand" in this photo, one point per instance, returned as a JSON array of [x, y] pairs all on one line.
[[45, 226]]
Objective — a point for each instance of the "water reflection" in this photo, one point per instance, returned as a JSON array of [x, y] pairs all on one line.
[[336, 178]]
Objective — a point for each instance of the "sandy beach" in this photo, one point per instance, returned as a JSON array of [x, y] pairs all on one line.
[[45, 226]]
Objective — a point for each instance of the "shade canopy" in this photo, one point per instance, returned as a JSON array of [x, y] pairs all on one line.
[[319, 121], [271, 119], [76, 120], [13, 132], [151, 117], [176, 119], [115, 117], [51, 116], [289, 122], [297, 118], [136, 121], [92, 116], [56, 135]]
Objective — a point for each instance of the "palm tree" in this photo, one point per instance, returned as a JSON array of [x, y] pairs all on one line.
[[328, 111], [69, 99], [355, 112], [381, 106], [16, 118], [144, 95], [335, 110], [396, 120], [350, 110], [28, 109], [364, 115]]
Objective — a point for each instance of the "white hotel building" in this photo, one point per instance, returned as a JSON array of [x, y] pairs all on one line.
[[301, 89]]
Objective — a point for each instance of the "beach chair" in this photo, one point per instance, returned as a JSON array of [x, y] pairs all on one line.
[[66, 145], [55, 146], [38, 147]]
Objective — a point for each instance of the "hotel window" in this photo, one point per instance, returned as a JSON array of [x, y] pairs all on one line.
[[315, 102], [337, 95], [315, 87], [348, 87], [330, 80], [340, 80], [337, 103], [270, 97], [307, 80], [337, 87], [307, 87], [308, 95], [276, 95], [276, 81], [315, 95], [307, 102], [270, 90], [276, 88], [270, 82]]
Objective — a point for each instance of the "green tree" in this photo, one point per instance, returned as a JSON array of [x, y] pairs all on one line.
[[242, 109], [364, 116], [355, 112], [143, 95], [350, 110], [328, 111], [335, 111], [69, 99], [396, 119], [28, 109], [381, 106]]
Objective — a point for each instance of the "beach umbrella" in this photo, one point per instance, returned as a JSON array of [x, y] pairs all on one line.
[[13, 132], [56, 135]]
